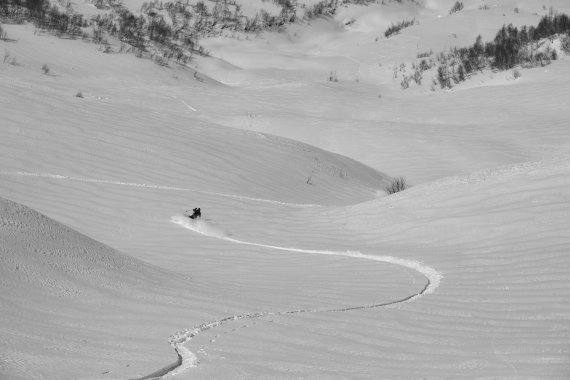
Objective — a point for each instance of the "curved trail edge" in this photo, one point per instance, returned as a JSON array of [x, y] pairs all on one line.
[[187, 359]]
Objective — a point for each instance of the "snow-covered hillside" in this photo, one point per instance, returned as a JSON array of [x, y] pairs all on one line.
[[302, 266]]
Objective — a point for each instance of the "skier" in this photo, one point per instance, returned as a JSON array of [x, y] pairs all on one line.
[[196, 214]]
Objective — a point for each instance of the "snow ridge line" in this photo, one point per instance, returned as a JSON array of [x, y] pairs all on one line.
[[188, 359], [151, 186]]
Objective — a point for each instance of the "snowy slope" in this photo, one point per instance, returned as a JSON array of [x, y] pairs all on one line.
[[301, 266], [68, 302], [418, 133]]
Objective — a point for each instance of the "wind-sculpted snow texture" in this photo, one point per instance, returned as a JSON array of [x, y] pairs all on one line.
[[186, 358], [178, 339], [205, 228], [287, 167]]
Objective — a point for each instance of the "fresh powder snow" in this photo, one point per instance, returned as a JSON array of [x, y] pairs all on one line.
[[302, 265]]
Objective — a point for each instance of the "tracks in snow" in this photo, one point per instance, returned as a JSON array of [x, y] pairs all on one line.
[[150, 186], [187, 359]]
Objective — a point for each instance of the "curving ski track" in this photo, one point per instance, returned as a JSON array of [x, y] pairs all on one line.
[[186, 358]]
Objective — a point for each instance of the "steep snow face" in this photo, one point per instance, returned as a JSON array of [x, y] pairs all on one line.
[[52, 259], [68, 303]]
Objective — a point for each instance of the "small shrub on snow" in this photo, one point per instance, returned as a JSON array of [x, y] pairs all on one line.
[[333, 77], [322, 8], [395, 28], [398, 184], [45, 69], [565, 43], [424, 54], [443, 77], [516, 74], [456, 7], [554, 55]]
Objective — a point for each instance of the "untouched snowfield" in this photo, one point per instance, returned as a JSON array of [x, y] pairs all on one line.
[[302, 266]]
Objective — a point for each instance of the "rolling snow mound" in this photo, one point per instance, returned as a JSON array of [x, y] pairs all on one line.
[[41, 253], [202, 227]]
